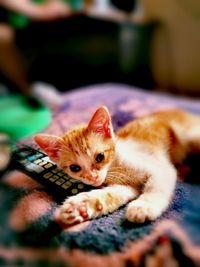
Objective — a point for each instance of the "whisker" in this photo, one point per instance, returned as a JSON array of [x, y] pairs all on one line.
[[117, 173], [117, 176], [114, 168]]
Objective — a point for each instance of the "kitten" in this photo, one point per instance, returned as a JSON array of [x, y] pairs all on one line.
[[135, 165]]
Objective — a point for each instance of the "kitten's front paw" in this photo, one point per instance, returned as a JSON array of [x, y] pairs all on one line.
[[140, 211], [79, 208]]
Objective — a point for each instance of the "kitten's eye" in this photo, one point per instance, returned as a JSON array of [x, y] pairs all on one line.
[[75, 168], [100, 157]]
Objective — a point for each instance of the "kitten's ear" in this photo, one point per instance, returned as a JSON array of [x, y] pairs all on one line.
[[101, 123], [50, 144]]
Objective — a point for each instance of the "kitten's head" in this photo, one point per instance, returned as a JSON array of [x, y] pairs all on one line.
[[84, 153]]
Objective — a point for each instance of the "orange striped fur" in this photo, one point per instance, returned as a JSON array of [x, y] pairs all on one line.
[[135, 165]]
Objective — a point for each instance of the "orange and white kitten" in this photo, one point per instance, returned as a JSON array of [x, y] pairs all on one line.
[[137, 165]]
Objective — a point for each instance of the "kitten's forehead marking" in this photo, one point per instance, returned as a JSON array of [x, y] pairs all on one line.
[[76, 141], [88, 152]]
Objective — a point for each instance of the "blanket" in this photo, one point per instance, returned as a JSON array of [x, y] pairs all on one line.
[[30, 235]]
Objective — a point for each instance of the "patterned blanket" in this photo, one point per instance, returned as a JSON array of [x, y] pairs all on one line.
[[30, 236]]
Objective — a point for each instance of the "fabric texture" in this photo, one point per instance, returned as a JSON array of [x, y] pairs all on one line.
[[30, 235]]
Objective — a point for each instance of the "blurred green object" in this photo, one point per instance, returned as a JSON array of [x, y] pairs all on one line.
[[18, 119], [17, 20], [75, 4], [20, 21]]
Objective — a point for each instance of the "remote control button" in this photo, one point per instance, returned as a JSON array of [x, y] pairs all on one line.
[[55, 170], [24, 153], [35, 156], [66, 177], [34, 167], [72, 180], [49, 165], [42, 163], [60, 181], [48, 160], [54, 178], [37, 161], [60, 174], [66, 185], [74, 191], [24, 161], [80, 186], [47, 175]]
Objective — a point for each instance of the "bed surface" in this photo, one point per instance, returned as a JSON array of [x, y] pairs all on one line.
[[30, 236]]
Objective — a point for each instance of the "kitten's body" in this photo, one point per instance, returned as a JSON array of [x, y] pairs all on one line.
[[138, 164]]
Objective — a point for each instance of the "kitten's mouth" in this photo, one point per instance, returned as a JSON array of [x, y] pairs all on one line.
[[98, 183]]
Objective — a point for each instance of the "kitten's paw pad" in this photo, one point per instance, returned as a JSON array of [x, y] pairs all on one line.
[[79, 209], [74, 212], [140, 211]]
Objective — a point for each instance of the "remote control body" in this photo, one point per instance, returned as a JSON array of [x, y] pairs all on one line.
[[38, 166]]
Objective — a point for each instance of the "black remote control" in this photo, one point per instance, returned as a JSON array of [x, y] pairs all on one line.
[[37, 165]]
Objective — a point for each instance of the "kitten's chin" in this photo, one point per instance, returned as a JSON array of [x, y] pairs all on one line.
[[94, 183], [97, 184]]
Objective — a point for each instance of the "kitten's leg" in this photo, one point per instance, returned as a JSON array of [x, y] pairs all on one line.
[[193, 139], [95, 203], [156, 195]]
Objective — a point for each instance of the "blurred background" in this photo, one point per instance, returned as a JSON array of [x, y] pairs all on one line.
[[48, 47], [144, 43]]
